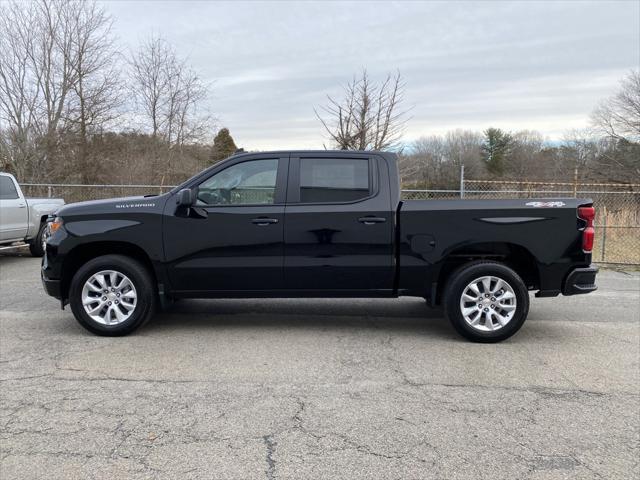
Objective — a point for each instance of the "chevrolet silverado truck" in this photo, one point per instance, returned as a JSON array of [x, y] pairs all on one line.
[[24, 219], [316, 224]]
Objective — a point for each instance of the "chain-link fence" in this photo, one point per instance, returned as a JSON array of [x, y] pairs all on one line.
[[79, 193], [617, 205]]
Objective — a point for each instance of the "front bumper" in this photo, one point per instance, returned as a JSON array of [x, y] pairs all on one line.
[[580, 280], [52, 287]]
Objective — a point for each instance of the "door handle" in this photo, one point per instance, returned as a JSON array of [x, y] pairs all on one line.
[[264, 221], [22, 205], [372, 220]]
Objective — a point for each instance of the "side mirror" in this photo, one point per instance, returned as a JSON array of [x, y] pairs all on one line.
[[186, 197], [186, 201]]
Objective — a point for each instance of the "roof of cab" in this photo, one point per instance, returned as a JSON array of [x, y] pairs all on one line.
[[341, 153]]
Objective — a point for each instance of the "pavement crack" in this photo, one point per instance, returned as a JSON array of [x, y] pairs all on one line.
[[17, 379], [297, 417], [270, 444]]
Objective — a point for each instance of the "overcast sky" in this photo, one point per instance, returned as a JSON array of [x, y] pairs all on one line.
[[514, 65]]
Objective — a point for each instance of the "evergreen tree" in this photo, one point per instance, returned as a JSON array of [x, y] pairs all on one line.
[[223, 146], [495, 150]]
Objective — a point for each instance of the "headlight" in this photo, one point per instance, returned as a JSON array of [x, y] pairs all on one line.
[[55, 225]]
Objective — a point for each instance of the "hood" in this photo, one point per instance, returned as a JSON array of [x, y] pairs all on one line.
[[40, 200], [115, 205]]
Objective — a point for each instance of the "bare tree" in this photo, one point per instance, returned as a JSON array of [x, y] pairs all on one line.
[[54, 63], [169, 93], [435, 161], [53, 76], [36, 76], [186, 94], [619, 115], [464, 147], [19, 93], [526, 146], [430, 156], [97, 89], [600, 158], [150, 82], [369, 116]]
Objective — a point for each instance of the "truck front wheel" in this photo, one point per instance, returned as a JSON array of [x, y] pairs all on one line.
[[486, 301], [112, 295], [37, 243]]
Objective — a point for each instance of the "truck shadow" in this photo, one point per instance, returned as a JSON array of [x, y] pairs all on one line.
[[404, 315], [7, 253], [404, 307]]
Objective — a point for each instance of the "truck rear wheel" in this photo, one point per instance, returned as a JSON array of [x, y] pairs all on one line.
[[486, 301], [112, 295]]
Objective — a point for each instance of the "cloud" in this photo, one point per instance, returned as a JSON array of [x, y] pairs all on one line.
[[539, 65]]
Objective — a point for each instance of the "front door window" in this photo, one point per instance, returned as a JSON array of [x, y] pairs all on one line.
[[246, 183]]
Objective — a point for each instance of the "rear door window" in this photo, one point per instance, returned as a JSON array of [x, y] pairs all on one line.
[[327, 180]]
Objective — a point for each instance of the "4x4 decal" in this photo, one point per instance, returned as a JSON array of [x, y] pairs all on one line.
[[545, 204]]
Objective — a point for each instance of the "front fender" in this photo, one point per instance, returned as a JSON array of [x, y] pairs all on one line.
[[37, 214], [96, 227]]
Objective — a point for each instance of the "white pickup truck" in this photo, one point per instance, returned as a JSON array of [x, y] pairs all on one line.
[[24, 219]]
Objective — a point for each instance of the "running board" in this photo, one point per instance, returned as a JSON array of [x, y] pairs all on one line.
[[13, 246]]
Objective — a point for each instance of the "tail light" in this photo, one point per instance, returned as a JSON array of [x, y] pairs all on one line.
[[587, 214]]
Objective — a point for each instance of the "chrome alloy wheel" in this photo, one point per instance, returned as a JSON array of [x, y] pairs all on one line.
[[46, 233], [109, 297], [488, 303]]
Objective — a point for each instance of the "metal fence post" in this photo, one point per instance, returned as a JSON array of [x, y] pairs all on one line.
[[49, 193], [461, 181], [604, 235]]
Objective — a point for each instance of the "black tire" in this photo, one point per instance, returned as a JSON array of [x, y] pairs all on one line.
[[36, 246], [142, 281], [456, 287]]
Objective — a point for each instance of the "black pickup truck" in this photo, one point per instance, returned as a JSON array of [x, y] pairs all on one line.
[[316, 224]]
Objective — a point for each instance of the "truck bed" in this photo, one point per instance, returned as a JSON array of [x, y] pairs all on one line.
[[543, 232]]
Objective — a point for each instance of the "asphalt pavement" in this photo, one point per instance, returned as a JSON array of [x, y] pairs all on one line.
[[319, 389]]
